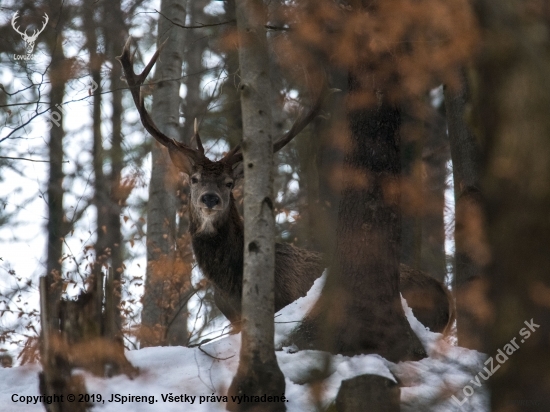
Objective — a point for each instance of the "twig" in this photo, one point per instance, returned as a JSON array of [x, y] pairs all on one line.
[[200, 26], [215, 357], [30, 160]]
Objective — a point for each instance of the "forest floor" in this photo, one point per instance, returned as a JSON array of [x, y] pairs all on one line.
[[199, 376]]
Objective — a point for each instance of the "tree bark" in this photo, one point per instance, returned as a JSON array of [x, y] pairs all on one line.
[[435, 155], [368, 239], [116, 30], [162, 205], [101, 189], [232, 109], [512, 100], [258, 371], [55, 377], [424, 154], [193, 108], [468, 264], [55, 225]]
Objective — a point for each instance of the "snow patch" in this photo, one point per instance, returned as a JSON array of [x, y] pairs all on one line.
[[427, 385]]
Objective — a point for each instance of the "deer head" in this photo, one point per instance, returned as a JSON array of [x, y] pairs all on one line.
[[30, 40], [211, 182]]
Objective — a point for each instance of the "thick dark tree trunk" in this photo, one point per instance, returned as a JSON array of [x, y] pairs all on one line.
[[55, 377], [328, 155], [435, 155], [360, 310], [258, 371], [56, 224], [468, 262], [513, 98], [368, 239]]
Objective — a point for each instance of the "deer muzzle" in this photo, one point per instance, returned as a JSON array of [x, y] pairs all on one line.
[[210, 200]]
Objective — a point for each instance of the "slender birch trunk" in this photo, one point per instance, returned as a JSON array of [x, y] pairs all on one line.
[[258, 371]]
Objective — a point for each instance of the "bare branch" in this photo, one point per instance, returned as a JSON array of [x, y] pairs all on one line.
[[199, 26], [29, 160]]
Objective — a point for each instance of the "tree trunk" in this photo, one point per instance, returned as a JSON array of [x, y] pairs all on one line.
[[195, 45], [232, 109], [56, 224], [368, 239], [258, 371], [329, 155], [101, 189], [468, 264], [162, 205], [360, 309], [435, 155], [55, 377], [513, 98], [116, 29], [193, 108], [424, 149]]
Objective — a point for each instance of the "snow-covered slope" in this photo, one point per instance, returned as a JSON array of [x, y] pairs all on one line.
[[204, 374]]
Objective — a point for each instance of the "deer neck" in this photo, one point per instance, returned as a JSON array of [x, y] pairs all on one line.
[[219, 253]]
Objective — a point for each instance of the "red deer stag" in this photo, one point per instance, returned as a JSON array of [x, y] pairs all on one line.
[[217, 231]]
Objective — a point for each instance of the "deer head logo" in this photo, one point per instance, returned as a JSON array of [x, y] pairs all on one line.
[[26, 38]]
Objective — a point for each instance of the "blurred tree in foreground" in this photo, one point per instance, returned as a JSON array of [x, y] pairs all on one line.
[[512, 97]]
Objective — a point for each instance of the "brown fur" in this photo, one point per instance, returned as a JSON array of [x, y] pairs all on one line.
[[430, 301], [220, 257]]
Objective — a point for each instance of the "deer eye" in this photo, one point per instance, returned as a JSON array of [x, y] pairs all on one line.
[[229, 185], [194, 180]]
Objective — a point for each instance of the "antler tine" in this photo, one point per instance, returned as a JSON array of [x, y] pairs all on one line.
[[197, 136], [235, 155], [135, 81], [300, 123], [13, 19], [46, 20], [143, 75]]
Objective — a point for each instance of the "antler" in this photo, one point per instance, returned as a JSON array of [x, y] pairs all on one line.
[[197, 137], [15, 17], [135, 81], [35, 33], [235, 155]]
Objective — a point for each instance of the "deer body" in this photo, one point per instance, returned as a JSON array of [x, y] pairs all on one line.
[[217, 231], [218, 243], [217, 236]]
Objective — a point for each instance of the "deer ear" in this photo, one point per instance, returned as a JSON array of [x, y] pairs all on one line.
[[182, 162]]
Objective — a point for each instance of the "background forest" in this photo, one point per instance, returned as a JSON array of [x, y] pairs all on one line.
[[441, 106]]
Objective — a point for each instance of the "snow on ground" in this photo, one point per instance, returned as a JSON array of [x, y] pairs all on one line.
[[206, 372]]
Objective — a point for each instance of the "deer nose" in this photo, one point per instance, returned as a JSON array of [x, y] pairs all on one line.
[[210, 200]]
